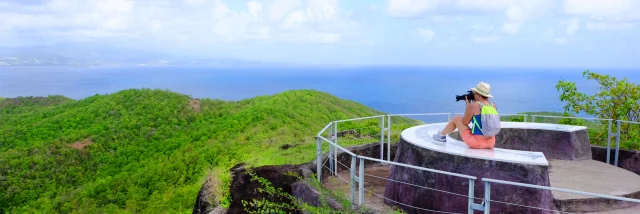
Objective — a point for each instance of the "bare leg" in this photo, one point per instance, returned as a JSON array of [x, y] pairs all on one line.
[[456, 122]]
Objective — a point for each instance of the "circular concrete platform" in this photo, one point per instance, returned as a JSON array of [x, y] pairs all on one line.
[[591, 176], [556, 155]]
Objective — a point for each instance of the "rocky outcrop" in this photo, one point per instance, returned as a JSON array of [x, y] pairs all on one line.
[[243, 188], [408, 153], [203, 205], [312, 196], [560, 145], [628, 159]]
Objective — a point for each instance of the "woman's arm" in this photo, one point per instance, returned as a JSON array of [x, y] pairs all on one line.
[[468, 112]]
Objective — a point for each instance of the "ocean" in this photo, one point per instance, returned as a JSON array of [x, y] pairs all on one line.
[[395, 90]]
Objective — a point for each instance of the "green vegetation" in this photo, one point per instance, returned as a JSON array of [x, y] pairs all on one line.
[[617, 99], [25, 104], [151, 150]]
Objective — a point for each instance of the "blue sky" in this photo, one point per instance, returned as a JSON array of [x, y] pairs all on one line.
[[539, 33]]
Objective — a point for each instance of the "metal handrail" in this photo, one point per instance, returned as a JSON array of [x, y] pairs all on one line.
[[419, 168], [325, 129], [337, 146], [362, 118], [561, 190], [419, 114], [631, 122], [567, 117]]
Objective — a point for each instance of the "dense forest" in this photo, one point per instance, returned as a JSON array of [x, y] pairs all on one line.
[[143, 150]]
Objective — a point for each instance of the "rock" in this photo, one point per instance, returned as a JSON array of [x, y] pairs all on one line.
[[286, 146], [560, 145], [202, 205], [408, 153], [311, 196], [218, 210], [243, 188]]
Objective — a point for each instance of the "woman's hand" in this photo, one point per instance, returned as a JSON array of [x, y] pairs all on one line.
[[467, 103], [468, 111]]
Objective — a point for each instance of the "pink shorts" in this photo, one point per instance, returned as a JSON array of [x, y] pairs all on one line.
[[477, 141]]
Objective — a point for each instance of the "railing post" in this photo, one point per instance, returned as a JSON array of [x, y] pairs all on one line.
[[353, 179], [361, 183], [487, 197], [617, 142], [388, 137], [471, 194], [319, 158], [382, 138], [524, 118], [609, 142], [335, 152], [533, 118], [330, 157], [332, 136]]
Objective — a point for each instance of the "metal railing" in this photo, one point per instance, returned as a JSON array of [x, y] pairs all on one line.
[[385, 128], [487, 193]]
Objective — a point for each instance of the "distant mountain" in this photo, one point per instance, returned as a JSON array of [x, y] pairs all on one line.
[[95, 54]]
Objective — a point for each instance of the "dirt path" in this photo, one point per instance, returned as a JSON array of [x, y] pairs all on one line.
[[371, 184]]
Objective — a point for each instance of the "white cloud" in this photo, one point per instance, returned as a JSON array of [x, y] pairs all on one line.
[[605, 15], [612, 10], [484, 34], [194, 21], [572, 26], [514, 13], [565, 32], [426, 34], [410, 8], [279, 9], [254, 9], [605, 26], [485, 39], [511, 27]]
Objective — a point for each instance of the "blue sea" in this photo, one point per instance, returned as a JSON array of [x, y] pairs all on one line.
[[388, 89]]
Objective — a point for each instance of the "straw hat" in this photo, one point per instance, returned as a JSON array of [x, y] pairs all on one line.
[[483, 88]]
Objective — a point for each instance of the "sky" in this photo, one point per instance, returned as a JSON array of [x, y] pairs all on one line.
[[538, 33]]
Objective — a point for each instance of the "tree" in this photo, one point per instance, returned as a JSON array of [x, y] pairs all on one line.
[[616, 99]]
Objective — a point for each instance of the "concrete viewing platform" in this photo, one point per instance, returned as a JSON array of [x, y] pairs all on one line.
[[533, 153], [422, 136]]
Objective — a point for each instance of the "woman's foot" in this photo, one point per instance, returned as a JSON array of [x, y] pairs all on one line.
[[439, 137]]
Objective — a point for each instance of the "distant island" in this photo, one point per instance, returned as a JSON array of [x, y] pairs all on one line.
[[90, 54]]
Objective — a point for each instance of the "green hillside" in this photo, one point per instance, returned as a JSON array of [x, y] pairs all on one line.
[[148, 150]]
